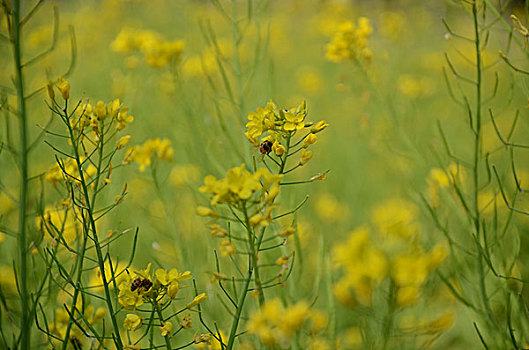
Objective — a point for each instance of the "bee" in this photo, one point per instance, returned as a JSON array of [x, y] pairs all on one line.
[[136, 284], [266, 147], [146, 284]]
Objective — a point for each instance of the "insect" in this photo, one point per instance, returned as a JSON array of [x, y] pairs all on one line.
[[146, 284], [136, 284], [266, 147]]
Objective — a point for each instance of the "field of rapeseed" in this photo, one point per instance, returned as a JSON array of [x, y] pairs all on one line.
[[263, 174]]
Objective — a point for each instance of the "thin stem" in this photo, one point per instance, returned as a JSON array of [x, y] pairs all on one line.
[[100, 259], [160, 316], [16, 39], [243, 293]]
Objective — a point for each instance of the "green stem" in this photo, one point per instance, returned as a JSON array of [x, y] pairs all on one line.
[[160, 316], [476, 165], [284, 159], [236, 60], [100, 259], [76, 293], [86, 230], [254, 251], [390, 317], [240, 304], [16, 39]]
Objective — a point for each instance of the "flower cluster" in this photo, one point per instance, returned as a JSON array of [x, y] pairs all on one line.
[[157, 52], [240, 185], [279, 127], [151, 150], [401, 258], [350, 42], [238, 188], [94, 117], [143, 286], [68, 171], [364, 267], [276, 325]]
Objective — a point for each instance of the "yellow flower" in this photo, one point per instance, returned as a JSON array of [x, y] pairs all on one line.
[[133, 322], [286, 231], [217, 231], [305, 156], [128, 298], [123, 141], [186, 322], [152, 149], [64, 88], [59, 224], [166, 329], [278, 149], [123, 118], [100, 110], [294, 121], [173, 275], [239, 184], [364, 267], [197, 300], [205, 211], [329, 209], [350, 41], [309, 140], [183, 174], [396, 218], [276, 325], [319, 127], [227, 248]]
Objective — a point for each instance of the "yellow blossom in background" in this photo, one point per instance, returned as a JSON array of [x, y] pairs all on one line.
[[310, 80], [350, 41], [276, 325], [152, 150], [7, 280], [157, 52], [411, 270], [396, 218], [59, 224], [329, 209], [227, 248], [183, 174], [415, 87], [393, 25], [217, 231], [199, 65], [6, 204], [205, 211], [364, 266]]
